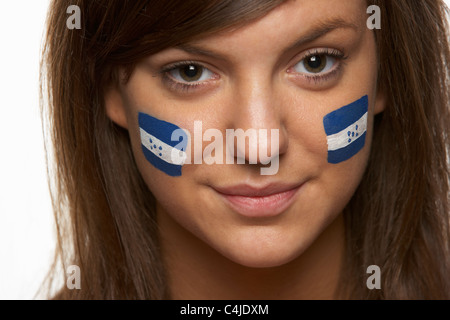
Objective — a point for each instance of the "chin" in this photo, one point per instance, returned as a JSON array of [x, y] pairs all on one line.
[[264, 252], [262, 262]]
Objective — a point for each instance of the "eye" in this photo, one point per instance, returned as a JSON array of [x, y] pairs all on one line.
[[190, 73], [316, 64]]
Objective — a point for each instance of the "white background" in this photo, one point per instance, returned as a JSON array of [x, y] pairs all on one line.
[[26, 221], [26, 230]]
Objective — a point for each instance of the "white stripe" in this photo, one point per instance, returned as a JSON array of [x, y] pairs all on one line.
[[168, 153], [340, 140]]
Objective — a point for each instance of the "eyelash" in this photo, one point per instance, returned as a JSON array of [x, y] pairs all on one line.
[[334, 53], [185, 88], [176, 85]]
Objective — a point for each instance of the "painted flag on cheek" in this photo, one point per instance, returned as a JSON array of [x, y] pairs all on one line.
[[163, 144], [346, 130]]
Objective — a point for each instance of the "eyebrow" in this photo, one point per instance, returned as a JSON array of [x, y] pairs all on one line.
[[318, 31]]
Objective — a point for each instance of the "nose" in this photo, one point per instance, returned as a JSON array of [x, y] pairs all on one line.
[[257, 122]]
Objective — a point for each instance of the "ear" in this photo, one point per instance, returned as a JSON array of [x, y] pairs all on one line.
[[115, 107], [380, 101]]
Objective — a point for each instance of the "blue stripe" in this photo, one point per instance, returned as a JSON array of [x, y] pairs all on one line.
[[340, 119], [340, 155], [171, 169], [162, 130]]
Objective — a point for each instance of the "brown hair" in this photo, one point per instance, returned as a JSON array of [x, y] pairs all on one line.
[[398, 218]]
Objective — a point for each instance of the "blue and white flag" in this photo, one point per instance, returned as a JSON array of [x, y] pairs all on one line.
[[163, 143], [346, 130]]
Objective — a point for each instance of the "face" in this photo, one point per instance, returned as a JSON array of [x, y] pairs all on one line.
[[286, 71]]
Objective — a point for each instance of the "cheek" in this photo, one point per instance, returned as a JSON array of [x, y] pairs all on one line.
[[329, 133], [171, 187], [332, 145], [159, 147]]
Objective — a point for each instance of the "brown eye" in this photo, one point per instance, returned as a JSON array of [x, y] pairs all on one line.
[[316, 63], [190, 73]]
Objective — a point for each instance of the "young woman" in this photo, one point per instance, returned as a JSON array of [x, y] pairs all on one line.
[[355, 122]]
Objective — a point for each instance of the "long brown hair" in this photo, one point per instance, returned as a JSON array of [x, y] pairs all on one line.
[[398, 218]]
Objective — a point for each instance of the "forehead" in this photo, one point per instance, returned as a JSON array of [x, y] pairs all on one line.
[[294, 17]]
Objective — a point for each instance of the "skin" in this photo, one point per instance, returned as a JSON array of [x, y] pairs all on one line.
[[210, 250]]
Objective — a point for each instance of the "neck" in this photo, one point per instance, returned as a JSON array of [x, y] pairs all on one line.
[[198, 272]]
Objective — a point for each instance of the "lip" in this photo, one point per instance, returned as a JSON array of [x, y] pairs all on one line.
[[259, 202]]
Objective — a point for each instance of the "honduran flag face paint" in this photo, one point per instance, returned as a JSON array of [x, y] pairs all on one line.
[[346, 130], [163, 143]]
